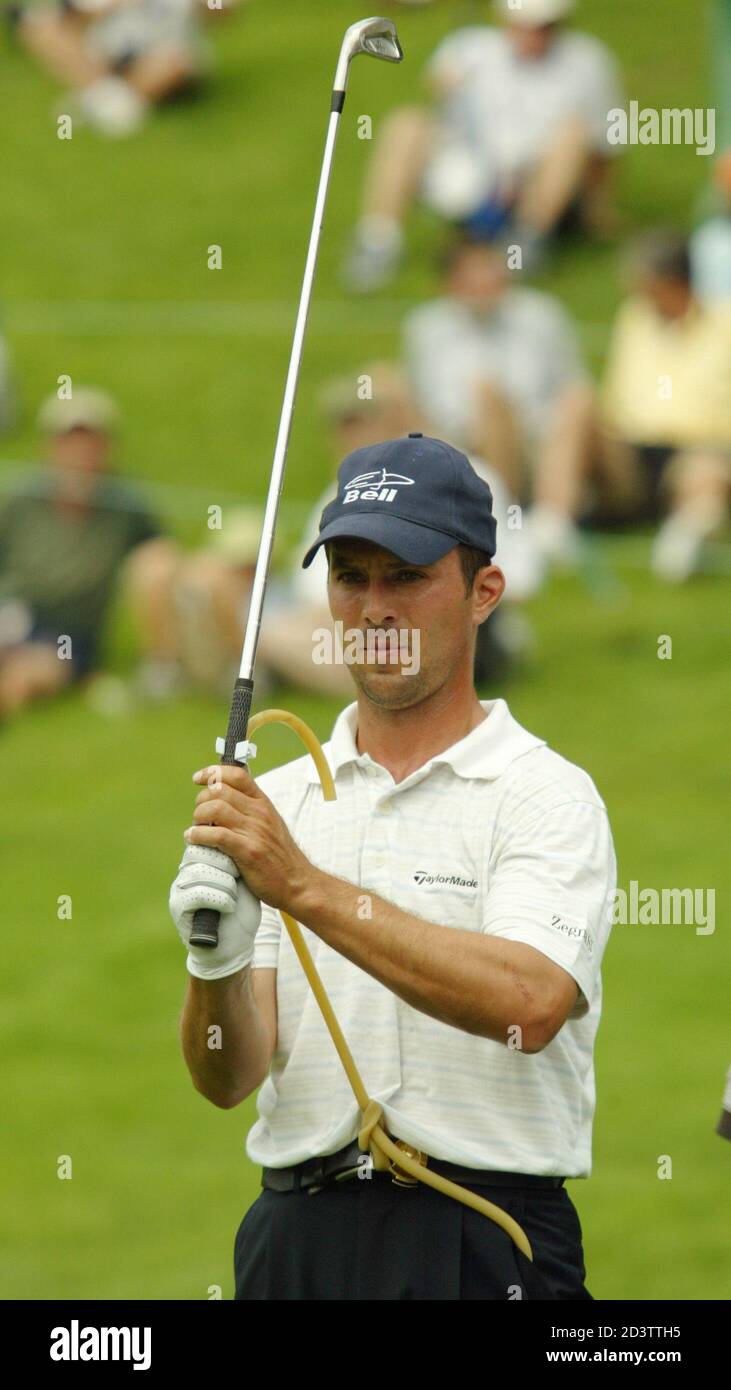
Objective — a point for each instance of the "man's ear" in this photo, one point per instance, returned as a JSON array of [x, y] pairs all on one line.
[[487, 591]]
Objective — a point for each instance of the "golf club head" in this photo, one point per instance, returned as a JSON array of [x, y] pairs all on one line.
[[376, 36]]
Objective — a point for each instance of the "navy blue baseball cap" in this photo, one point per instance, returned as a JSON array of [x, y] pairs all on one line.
[[415, 496]]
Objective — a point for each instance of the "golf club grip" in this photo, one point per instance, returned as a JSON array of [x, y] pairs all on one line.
[[206, 919]]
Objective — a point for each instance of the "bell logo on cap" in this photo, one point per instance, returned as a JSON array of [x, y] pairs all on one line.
[[378, 486]]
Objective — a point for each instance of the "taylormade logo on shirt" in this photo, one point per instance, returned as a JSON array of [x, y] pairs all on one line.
[[77, 1343], [424, 878]]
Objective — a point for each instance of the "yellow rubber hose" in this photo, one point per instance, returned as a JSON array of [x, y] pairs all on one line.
[[372, 1137]]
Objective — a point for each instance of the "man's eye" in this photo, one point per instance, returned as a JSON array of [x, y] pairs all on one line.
[[409, 575], [348, 576]]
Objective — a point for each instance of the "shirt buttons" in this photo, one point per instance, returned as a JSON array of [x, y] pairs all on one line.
[[385, 808]]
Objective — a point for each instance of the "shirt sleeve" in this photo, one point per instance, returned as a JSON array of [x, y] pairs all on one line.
[[455, 58], [551, 886], [564, 357], [266, 942], [602, 92]]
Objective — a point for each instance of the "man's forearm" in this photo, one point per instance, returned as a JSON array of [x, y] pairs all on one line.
[[481, 984], [225, 1042]]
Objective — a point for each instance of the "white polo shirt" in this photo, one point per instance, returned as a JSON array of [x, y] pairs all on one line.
[[497, 834]]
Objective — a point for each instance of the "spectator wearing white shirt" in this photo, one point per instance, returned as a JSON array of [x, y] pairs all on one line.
[[501, 372], [516, 142]]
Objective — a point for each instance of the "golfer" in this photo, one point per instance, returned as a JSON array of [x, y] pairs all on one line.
[[456, 900]]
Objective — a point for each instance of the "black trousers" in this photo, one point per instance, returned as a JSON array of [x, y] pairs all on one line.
[[369, 1239]]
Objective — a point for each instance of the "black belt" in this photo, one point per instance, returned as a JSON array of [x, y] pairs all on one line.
[[314, 1173]]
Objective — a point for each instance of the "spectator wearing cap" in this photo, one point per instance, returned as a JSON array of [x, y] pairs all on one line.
[[516, 143], [663, 450], [66, 538]]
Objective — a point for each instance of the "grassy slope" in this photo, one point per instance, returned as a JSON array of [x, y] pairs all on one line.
[[96, 806]]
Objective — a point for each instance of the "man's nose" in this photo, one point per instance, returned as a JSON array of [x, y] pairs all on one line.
[[379, 606]]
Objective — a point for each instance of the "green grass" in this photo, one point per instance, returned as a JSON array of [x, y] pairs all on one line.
[[102, 245]]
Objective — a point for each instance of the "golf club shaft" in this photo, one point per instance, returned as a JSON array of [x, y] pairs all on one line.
[[258, 592], [206, 920]]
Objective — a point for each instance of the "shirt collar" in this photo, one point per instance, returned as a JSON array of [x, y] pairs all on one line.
[[485, 752]]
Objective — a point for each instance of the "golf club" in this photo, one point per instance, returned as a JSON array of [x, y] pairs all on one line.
[[378, 38]]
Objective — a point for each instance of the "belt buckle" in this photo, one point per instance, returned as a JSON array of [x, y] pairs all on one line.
[[399, 1176]]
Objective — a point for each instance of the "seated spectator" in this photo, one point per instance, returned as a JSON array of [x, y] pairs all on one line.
[[66, 538], [500, 371], [118, 56], [663, 452], [516, 143], [208, 601], [286, 644], [710, 244]]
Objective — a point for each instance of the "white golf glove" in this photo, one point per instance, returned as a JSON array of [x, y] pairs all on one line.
[[207, 878]]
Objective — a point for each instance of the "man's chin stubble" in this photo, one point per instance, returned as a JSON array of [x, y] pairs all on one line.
[[390, 690]]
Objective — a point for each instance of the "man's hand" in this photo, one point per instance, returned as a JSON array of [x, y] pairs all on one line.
[[207, 878], [233, 815]]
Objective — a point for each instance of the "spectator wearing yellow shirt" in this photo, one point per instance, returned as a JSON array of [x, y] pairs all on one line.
[[663, 445]]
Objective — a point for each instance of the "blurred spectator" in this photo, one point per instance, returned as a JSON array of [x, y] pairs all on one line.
[[667, 402], [65, 540], [388, 412], [664, 448], [500, 371], [118, 56], [517, 142], [710, 244], [206, 605]]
